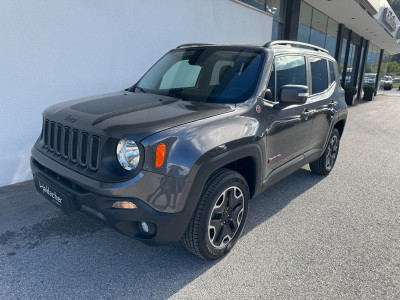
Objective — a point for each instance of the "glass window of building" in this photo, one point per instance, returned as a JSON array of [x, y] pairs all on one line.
[[277, 31], [275, 7], [383, 72], [319, 21], [331, 36], [350, 67], [371, 65], [303, 34], [317, 28], [361, 60], [342, 57], [260, 4]]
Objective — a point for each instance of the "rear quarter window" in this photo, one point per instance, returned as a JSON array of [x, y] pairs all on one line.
[[332, 74], [319, 74]]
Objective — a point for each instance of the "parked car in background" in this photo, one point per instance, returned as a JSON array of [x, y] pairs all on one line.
[[369, 78], [387, 82], [349, 72]]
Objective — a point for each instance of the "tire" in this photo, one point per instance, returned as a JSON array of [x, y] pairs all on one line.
[[326, 162], [218, 221]]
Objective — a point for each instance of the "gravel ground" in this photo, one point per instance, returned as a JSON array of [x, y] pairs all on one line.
[[307, 237]]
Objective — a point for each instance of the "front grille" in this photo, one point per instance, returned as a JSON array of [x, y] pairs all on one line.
[[77, 147]]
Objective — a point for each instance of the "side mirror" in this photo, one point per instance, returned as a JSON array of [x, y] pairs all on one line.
[[293, 94], [268, 95]]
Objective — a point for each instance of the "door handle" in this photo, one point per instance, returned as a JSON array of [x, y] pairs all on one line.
[[332, 104], [306, 114]]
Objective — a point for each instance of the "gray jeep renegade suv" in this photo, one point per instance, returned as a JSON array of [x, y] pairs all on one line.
[[178, 155]]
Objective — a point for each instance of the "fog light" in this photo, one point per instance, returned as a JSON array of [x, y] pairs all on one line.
[[124, 205], [145, 227]]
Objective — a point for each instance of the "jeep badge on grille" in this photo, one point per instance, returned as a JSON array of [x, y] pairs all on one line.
[[71, 118]]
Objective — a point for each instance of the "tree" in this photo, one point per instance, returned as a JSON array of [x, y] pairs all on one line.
[[393, 67]]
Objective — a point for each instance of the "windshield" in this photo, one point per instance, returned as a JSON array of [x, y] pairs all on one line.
[[205, 74]]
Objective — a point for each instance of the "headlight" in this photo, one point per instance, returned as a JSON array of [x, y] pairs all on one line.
[[128, 154]]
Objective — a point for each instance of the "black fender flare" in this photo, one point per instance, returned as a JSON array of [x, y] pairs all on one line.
[[201, 172]]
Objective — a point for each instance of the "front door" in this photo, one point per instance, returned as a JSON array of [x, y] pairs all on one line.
[[287, 129]]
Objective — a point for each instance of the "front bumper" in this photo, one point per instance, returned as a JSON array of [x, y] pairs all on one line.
[[169, 227]]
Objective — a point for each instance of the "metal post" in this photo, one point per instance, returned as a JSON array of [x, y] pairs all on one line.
[[292, 19], [339, 42], [356, 68], [379, 71], [346, 57], [362, 71]]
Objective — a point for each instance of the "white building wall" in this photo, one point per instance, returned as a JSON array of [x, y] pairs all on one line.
[[51, 51]]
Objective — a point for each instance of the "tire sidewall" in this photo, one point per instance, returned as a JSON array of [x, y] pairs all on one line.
[[231, 180], [334, 132]]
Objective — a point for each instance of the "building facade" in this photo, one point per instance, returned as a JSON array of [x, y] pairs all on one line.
[[360, 34], [53, 51]]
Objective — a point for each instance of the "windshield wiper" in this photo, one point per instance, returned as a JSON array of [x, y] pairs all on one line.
[[178, 95], [140, 89]]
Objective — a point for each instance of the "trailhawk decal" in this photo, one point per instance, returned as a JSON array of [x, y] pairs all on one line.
[[274, 158]]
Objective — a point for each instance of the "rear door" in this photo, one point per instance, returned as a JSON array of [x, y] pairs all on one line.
[[323, 96]]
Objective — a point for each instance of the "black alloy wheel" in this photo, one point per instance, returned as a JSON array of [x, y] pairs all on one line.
[[220, 216]]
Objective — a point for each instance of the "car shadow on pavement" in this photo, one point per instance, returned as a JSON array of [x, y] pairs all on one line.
[[79, 257]]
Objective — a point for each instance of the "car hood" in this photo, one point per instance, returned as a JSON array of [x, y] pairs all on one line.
[[134, 115]]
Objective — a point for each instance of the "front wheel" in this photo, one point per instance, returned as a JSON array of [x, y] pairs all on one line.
[[326, 162], [220, 216]]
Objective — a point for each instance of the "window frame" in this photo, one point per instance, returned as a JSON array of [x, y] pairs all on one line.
[[334, 71], [291, 54], [274, 70], [310, 75]]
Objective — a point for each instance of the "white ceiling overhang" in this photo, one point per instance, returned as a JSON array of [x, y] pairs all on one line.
[[354, 17]]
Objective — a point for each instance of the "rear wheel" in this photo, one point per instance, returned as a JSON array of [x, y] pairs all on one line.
[[326, 162], [220, 216]]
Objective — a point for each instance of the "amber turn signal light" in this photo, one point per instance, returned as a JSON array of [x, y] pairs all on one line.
[[160, 155], [124, 205]]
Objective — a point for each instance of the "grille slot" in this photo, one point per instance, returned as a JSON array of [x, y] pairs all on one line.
[[58, 143], [72, 145], [46, 133], [75, 137], [84, 149], [66, 142], [52, 125], [94, 152]]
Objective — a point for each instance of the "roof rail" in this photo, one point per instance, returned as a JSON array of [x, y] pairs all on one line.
[[193, 45], [293, 43]]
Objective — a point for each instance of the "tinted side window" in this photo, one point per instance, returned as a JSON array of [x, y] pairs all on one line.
[[289, 70], [332, 73], [319, 74]]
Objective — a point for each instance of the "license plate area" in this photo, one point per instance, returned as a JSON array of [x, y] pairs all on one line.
[[55, 195]]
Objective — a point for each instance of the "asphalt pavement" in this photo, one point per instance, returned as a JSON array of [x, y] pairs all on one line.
[[307, 237]]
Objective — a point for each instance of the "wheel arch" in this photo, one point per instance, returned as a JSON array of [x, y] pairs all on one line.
[[340, 126], [245, 166], [246, 160]]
